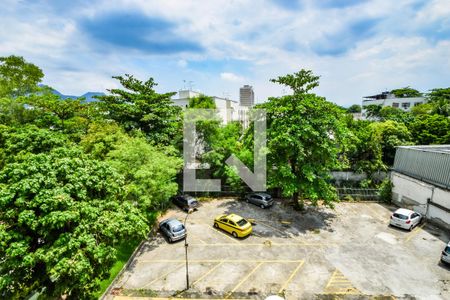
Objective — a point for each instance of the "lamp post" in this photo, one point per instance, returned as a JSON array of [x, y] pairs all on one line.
[[186, 248]]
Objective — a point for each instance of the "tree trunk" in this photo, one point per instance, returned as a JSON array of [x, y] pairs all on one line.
[[299, 204]]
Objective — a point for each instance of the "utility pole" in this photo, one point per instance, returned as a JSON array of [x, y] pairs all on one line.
[[186, 248]]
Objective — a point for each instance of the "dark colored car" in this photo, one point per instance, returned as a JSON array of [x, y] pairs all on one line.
[[173, 229], [445, 257], [186, 202], [263, 200]]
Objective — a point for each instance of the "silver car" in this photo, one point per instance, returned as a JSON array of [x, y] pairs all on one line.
[[405, 218], [173, 229], [263, 200], [445, 258]]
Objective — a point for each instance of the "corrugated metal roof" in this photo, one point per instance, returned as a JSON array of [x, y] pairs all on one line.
[[427, 163]]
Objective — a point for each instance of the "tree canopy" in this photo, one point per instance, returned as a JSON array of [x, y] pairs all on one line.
[[18, 77], [139, 107], [305, 134]]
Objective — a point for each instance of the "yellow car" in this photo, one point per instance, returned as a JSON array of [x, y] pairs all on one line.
[[234, 224]]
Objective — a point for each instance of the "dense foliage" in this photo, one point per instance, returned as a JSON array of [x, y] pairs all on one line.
[[80, 181], [305, 135], [77, 180]]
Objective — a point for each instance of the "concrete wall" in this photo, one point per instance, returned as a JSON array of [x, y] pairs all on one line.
[[429, 200], [344, 176]]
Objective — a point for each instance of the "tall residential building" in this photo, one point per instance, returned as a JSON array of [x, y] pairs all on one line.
[[246, 96]]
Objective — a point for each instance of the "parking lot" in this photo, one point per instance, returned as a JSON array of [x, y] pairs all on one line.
[[348, 252]]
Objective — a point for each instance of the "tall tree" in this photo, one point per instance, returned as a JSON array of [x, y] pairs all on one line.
[[355, 108], [61, 214], [440, 99], [431, 129], [18, 77], [139, 107], [406, 92], [305, 135]]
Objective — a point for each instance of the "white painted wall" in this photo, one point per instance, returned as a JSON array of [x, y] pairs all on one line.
[[228, 110], [411, 193], [414, 194]]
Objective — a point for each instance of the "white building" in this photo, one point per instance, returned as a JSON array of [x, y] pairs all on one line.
[[421, 181], [228, 110], [387, 99]]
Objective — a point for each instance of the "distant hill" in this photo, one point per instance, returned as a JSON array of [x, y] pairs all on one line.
[[89, 96]]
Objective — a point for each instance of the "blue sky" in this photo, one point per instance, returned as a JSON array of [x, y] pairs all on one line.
[[357, 47]]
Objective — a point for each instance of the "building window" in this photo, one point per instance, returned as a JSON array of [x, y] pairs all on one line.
[[406, 105], [417, 103], [395, 104]]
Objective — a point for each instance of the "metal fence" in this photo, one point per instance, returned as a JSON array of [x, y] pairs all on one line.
[[359, 194]]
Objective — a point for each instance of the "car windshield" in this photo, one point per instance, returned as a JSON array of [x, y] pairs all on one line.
[[242, 222], [447, 249], [177, 228], [399, 216], [193, 202]]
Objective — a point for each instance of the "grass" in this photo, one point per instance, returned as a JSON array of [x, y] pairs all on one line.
[[124, 252]]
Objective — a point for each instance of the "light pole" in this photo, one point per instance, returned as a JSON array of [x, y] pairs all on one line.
[[186, 248]]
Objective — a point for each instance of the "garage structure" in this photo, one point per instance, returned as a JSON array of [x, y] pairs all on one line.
[[421, 181]]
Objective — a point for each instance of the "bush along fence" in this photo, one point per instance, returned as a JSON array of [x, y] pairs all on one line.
[[359, 194]]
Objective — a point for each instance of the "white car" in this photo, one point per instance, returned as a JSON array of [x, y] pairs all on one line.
[[405, 218], [445, 258]]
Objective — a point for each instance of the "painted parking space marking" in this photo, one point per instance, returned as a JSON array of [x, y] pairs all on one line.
[[221, 232], [243, 280], [339, 284], [286, 283], [219, 260], [207, 273], [414, 232], [284, 233], [164, 275]]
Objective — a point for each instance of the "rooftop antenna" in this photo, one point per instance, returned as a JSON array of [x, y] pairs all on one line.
[[190, 84]]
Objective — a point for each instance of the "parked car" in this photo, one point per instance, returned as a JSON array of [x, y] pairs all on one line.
[[236, 225], [445, 257], [186, 202], [173, 229], [405, 218], [263, 200]]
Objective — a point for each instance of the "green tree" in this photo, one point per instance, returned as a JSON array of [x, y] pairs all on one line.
[[388, 135], [202, 101], [149, 172], [431, 129], [54, 110], [395, 114], [18, 77], [305, 137], [355, 108], [373, 111], [406, 92], [61, 214], [102, 137], [139, 107], [440, 100]]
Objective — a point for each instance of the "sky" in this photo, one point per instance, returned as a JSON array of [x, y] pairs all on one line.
[[359, 48]]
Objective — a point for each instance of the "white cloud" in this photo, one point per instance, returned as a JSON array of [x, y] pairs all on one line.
[[269, 41], [231, 77]]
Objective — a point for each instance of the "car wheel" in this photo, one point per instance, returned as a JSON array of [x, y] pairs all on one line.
[[216, 225], [262, 206], [234, 234], [170, 240], [411, 228]]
